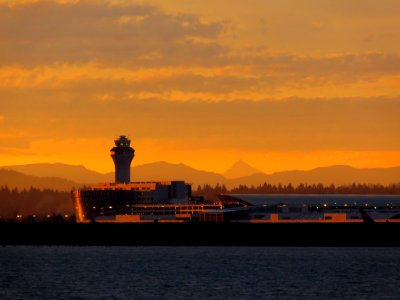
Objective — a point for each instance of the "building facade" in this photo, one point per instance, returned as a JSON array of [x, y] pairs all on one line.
[[125, 201]]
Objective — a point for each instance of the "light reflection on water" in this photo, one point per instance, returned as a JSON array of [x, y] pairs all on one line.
[[198, 272]]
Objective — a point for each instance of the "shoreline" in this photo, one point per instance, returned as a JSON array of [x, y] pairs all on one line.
[[201, 234]]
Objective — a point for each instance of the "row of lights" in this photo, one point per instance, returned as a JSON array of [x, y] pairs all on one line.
[[34, 216]]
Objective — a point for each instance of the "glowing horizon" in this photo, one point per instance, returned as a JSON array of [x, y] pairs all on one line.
[[288, 85]]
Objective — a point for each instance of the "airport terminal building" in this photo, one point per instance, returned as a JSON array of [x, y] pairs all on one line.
[[172, 201], [125, 201]]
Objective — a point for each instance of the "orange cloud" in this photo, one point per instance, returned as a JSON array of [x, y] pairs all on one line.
[[200, 83], [269, 77]]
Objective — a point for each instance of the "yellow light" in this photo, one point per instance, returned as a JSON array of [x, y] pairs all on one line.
[[110, 207]]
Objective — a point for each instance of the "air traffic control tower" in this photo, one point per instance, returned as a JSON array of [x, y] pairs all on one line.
[[122, 155]]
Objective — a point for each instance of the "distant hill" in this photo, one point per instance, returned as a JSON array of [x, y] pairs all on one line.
[[44, 175], [14, 179], [147, 172], [240, 169], [69, 172], [167, 171], [338, 175]]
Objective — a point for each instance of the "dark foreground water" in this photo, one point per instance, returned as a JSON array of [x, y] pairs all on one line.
[[199, 273]]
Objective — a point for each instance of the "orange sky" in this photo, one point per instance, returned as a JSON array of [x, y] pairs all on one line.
[[291, 84]]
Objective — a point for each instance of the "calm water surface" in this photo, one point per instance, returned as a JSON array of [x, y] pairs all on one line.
[[199, 273]]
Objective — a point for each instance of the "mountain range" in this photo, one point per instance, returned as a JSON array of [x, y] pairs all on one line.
[[240, 169], [64, 177]]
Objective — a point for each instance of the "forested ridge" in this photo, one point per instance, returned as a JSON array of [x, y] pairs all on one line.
[[33, 201]]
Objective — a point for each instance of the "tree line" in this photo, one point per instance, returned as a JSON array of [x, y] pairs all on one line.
[[33, 201], [211, 192], [49, 203]]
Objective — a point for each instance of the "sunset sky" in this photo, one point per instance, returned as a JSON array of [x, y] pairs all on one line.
[[289, 84]]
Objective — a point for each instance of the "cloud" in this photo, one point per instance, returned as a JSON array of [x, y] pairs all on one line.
[[246, 77], [130, 51], [46, 32], [364, 9], [271, 81]]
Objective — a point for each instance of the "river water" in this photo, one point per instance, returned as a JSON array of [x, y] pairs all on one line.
[[199, 273]]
